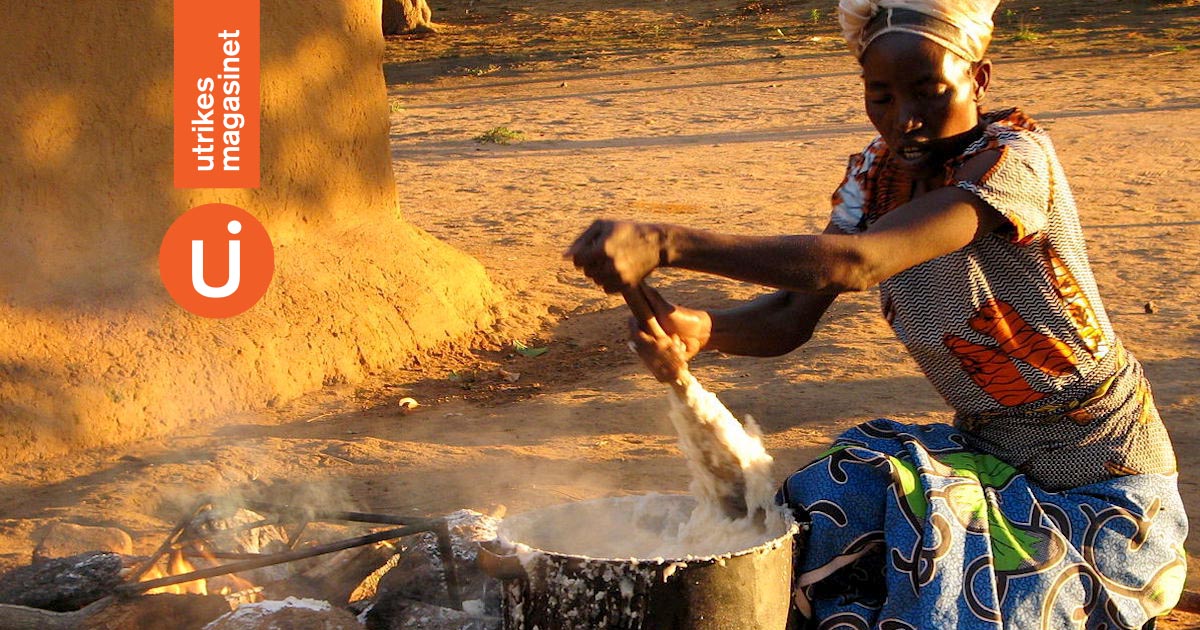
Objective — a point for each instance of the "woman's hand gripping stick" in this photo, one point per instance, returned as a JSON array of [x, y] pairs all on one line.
[[662, 354]]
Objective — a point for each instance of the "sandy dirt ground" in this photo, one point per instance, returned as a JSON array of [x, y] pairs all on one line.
[[734, 118]]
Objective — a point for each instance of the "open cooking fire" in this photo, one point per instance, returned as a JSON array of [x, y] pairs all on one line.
[[176, 565], [262, 560], [226, 541], [238, 590]]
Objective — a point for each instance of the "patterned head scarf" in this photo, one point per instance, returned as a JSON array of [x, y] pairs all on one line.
[[962, 26]]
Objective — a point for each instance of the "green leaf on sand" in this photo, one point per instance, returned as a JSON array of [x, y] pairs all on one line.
[[526, 351]]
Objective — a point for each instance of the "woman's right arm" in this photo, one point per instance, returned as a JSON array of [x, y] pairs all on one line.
[[768, 326], [771, 325]]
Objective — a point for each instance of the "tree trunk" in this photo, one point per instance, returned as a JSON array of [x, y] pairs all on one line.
[[407, 16], [72, 330]]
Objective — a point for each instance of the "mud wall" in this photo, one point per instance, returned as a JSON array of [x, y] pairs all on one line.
[[92, 349]]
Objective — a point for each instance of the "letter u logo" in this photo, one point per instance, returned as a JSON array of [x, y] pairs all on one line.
[[235, 267], [251, 260]]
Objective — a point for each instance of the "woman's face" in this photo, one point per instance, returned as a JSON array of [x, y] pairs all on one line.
[[922, 98]]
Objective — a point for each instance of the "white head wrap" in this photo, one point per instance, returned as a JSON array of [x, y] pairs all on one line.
[[962, 26]]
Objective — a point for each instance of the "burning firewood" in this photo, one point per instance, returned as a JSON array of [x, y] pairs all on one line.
[[418, 574]]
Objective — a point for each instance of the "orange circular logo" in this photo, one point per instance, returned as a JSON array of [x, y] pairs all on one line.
[[216, 260]]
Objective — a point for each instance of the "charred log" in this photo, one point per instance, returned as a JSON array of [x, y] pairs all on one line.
[[63, 584]]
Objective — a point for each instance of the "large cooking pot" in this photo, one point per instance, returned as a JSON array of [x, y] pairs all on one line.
[[555, 575]]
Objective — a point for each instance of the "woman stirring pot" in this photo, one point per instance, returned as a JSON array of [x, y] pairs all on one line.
[[1052, 501]]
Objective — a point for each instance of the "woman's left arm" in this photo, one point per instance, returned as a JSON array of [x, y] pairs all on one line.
[[615, 254]]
